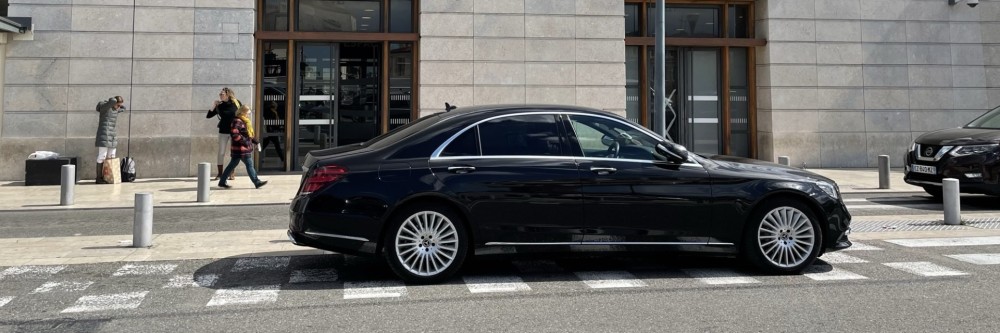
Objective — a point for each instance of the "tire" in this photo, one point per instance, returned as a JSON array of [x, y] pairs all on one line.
[[936, 192], [426, 243], [770, 243]]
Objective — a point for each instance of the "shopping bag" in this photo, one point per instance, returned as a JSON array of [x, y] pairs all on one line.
[[112, 171]]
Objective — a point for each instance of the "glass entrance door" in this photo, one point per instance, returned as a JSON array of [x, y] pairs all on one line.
[[693, 97]]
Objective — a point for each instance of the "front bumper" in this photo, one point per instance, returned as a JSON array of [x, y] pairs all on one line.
[[838, 228], [986, 166]]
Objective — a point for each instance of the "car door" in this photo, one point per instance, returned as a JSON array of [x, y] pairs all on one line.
[[518, 179], [631, 194]]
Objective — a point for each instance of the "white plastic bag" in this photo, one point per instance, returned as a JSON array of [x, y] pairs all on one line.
[[43, 155]]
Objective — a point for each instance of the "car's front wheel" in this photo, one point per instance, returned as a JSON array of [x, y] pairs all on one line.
[[936, 192], [783, 237], [426, 244]]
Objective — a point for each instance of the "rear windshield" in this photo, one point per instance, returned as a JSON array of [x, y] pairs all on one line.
[[403, 131], [990, 119]]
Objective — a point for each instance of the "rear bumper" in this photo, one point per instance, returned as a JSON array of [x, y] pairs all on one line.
[[343, 233]]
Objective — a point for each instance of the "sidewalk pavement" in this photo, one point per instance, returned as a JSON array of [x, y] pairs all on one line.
[[173, 192]]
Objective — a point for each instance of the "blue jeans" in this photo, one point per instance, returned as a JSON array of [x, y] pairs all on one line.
[[233, 162]]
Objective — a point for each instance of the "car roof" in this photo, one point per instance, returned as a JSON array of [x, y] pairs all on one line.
[[500, 109]]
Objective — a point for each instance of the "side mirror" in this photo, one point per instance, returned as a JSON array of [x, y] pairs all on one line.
[[675, 153]]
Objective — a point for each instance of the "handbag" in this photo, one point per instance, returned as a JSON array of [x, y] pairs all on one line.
[[112, 172]]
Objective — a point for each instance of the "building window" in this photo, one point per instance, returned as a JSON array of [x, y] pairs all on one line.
[[339, 16], [275, 15]]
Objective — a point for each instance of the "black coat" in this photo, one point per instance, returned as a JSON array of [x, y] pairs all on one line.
[[226, 111]]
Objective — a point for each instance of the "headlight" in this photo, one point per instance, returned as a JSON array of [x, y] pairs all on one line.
[[970, 150], [830, 189], [913, 147]]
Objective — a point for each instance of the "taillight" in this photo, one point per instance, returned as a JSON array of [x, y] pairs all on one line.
[[322, 176]]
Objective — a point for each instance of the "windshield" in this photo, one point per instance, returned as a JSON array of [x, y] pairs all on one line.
[[990, 119]]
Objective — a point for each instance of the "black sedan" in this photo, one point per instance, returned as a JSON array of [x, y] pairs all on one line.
[[555, 178], [970, 154]]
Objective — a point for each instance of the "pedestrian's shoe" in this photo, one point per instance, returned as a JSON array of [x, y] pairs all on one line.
[[99, 179], [218, 167], [261, 184], [225, 186]]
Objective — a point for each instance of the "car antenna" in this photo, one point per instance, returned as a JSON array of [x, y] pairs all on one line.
[[449, 107]]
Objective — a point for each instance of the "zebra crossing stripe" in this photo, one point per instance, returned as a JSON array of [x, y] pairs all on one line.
[[374, 289], [840, 258], [936, 242], [610, 279], [6, 299], [131, 269], [64, 286], [924, 268], [719, 276], [495, 284], [183, 281], [31, 271], [977, 258], [261, 263], [820, 273], [123, 301], [862, 247], [313, 275], [245, 295]]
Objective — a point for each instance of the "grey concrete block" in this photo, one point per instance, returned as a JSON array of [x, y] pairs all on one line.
[[558, 7], [887, 99], [36, 71], [968, 76], [34, 124], [434, 24], [446, 6], [792, 53], [227, 72], [892, 144], [439, 72], [928, 32], [446, 48], [99, 71], [839, 76], [218, 20], [838, 9], [964, 13], [47, 44], [791, 9], [588, 74], [971, 99], [432, 98], [792, 75], [806, 121], [993, 76], [499, 73], [841, 121], [600, 26], [495, 25], [602, 98], [550, 74], [498, 95], [83, 125], [844, 150], [884, 54], [202, 96], [838, 31], [993, 96], [550, 95], [163, 157], [13, 152], [764, 98], [930, 76], [605, 50], [551, 50], [499, 6], [169, 46], [167, 3], [102, 2], [243, 4], [927, 10], [991, 55], [600, 7], [887, 121], [765, 121], [765, 146], [163, 98], [793, 98], [840, 99], [203, 149], [791, 30], [162, 124], [929, 54], [967, 32], [86, 18], [499, 49], [44, 17], [153, 19], [800, 147], [931, 99], [174, 72], [84, 98], [883, 9], [991, 32], [224, 46], [204, 127], [547, 26], [101, 45], [838, 53], [883, 31], [886, 76], [930, 120], [967, 54]]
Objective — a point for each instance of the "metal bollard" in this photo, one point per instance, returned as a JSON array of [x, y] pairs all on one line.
[[67, 185], [784, 160], [883, 172], [204, 173], [142, 226], [952, 202]]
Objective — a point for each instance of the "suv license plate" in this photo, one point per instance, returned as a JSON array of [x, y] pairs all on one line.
[[923, 169]]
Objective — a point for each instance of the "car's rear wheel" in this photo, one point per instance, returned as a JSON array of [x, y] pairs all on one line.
[[426, 244], [783, 237], [935, 191]]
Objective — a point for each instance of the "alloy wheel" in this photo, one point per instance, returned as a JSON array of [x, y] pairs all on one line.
[[426, 243], [786, 237]]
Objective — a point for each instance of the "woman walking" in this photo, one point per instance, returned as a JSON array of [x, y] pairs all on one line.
[[107, 138], [225, 108], [242, 142]]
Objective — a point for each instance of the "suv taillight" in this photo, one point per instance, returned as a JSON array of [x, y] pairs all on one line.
[[322, 176]]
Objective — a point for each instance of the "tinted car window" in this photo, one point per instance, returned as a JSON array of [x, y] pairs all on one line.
[[988, 120], [535, 134], [403, 131], [606, 138], [466, 144]]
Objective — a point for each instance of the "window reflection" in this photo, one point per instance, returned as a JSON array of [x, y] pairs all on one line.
[[536, 135], [275, 15], [274, 85], [400, 84], [687, 21], [341, 15]]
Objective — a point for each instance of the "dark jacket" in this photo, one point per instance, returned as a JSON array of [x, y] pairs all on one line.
[[106, 134], [241, 145], [226, 111]]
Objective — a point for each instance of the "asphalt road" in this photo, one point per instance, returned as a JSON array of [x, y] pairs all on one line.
[[914, 203]]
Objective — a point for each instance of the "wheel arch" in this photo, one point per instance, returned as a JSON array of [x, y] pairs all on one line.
[[426, 198], [788, 194]]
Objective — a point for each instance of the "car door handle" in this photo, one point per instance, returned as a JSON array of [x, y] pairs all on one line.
[[603, 170], [461, 169]]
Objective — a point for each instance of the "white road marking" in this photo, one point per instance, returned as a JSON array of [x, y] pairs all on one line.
[[610, 279], [31, 271], [719, 276], [862, 247], [820, 273], [184, 281], [840, 258], [924, 268], [6, 299], [495, 284], [245, 295], [957, 241], [537, 266], [313, 275], [261, 263], [977, 258], [122, 301], [64, 286], [374, 289], [131, 269]]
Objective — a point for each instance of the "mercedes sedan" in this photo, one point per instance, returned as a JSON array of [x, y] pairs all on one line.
[[432, 193]]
